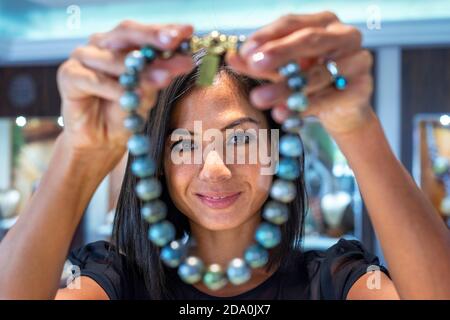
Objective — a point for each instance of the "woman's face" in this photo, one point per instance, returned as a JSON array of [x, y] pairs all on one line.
[[214, 190]]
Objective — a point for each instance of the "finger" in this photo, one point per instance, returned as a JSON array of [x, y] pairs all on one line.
[[284, 26], [236, 62], [357, 93], [159, 73], [319, 78], [116, 115], [103, 60], [163, 71], [130, 34], [78, 82], [280, 113], [308, 42]]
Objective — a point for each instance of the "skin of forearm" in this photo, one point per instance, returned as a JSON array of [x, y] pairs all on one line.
[[415, 241], [33, 252]]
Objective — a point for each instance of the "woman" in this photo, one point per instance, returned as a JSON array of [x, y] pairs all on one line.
[[415, 241]]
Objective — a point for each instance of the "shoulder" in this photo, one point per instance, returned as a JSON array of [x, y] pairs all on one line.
[[102, 263], [334, 271]]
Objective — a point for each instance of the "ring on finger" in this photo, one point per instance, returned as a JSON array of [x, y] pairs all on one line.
[[339, 81]]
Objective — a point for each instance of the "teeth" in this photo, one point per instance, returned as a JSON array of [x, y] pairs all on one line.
[[215, 198]]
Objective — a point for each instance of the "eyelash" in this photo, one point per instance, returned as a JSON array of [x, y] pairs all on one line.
[[182, 141], [248, 139]]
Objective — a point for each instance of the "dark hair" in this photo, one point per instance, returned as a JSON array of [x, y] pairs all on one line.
[[130, 230]]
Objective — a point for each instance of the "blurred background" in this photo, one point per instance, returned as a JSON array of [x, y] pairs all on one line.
[[410, 41]]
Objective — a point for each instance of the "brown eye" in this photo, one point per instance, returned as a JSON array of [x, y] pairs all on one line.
[[239, 139], [184, 145]]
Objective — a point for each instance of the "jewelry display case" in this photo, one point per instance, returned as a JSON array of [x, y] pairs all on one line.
[[335, 205], [431, 159], [28, 148]]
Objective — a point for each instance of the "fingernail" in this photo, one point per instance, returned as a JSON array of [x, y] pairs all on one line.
[[259, 60], [159, 75], [263, 96], [166, 36], [248, 48]]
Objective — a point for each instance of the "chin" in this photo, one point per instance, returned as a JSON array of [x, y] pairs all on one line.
[[220, 220]]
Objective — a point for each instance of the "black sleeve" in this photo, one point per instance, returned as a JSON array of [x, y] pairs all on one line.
[[99, 261], [344, 264]]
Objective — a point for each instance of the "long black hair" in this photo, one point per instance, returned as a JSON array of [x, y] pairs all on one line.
[[130, 229]]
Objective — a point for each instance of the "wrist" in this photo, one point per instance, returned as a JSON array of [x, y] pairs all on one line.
[[91, 164], [365, 143]]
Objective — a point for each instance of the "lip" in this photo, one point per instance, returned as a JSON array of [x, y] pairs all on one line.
[[224, 199]]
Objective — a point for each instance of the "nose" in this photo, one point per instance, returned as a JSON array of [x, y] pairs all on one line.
[[214, 169]]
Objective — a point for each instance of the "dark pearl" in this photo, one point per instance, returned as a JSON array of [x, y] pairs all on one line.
[[256, 256], [296, 82], [161, 233], [143, 167], [288, 168], [148, 189], [214, 277], [134, 123], [292, 124], [149, 53], [138, 144], [185, 47], [297, 102], [276, 212], [268, 235], [238, 271], [291, 145], [129, 80], [129, 101], [283, 190], [135, 61], [289, 69], [191, 270], [173, 253], [340, 82], [154, 211]]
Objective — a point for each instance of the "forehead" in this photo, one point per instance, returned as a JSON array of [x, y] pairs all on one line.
[[216, 105]]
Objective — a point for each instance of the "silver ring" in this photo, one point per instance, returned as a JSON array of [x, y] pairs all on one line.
[[339, 81]]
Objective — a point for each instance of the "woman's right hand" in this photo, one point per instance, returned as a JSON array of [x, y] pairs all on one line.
[[89, 88]]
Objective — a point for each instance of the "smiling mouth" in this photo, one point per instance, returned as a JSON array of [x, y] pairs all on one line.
[[218, 201]]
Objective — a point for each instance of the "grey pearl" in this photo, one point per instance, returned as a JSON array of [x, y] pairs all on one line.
[[138, 144], [292, 124], [191, 270], [134, 123], [291, 145], [129, 101], [289, 69], [297, 102], [296, 82], [154, 211], [135, 61], [276, 212], [148, 189], [129, 80], [283, 191]]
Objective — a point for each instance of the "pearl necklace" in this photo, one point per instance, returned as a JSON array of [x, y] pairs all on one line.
[[148, 189]]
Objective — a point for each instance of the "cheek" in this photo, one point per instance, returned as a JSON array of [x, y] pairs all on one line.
[[178, 179], [259, 183]]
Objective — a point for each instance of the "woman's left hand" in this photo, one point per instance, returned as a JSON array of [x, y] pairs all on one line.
[[310, 40]]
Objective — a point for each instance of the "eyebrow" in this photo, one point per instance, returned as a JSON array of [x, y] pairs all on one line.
[[233, 124]]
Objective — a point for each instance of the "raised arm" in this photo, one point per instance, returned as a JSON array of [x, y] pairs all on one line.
[[33, 252], [414, 239]]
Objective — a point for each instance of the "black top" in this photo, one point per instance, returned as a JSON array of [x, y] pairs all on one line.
[[314, 274]]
